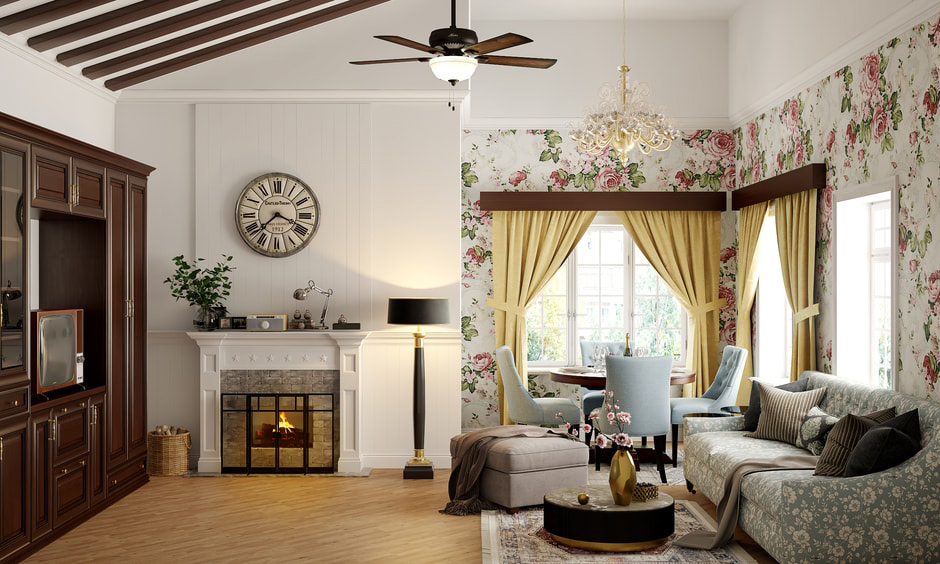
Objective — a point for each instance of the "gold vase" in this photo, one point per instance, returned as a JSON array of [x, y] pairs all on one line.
[[622, 477]]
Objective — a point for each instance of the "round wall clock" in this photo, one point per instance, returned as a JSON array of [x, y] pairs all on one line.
[[277, 214]]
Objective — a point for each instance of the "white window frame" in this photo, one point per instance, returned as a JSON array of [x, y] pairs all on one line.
[[572, 341], [863, 191], [762, 345]]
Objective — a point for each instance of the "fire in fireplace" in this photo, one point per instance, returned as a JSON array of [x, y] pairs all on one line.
[[284, 433]]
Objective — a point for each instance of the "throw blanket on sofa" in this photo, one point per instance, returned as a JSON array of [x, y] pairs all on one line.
[[468, 456], [731, 498]]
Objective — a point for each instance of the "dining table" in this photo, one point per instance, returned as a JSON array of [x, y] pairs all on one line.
[[594, 379]]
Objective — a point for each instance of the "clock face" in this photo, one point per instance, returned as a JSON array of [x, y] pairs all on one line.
[[277, 214]]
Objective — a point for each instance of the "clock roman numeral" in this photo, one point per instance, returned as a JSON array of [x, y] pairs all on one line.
[[277, 243], [301, 201], [262, 239], [263, 190], [278, 186], [301, 230], [251, 215], [305, 215], [253, 200], [253, 228], [292, 188], [290, 240]]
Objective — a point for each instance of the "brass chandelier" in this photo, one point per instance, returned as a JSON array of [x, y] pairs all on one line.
[[624, 119]]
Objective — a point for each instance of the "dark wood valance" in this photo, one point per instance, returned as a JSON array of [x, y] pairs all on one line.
[[804, 178], [603, 201]]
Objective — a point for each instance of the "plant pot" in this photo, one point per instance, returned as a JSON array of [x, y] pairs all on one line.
[[207, 318], [622, 477]]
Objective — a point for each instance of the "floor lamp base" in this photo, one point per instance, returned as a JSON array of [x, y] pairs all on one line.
[[418, 472]]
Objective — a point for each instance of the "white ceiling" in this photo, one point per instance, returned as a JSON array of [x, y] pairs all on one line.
[[603, 9]]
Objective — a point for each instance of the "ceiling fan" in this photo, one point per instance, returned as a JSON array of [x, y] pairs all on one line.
[[455, 52]]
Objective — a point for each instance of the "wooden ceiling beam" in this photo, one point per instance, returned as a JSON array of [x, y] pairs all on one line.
[[806, 177], [604, 201], [45, 13], [199, 37], [103, 22], [239, 43], [137, 36]]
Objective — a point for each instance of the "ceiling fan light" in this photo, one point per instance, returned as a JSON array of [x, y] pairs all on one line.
[[453, 68]]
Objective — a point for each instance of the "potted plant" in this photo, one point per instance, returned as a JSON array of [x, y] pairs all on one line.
[[205, 288]]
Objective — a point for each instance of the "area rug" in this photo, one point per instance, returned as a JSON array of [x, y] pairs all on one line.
[[520, 538]]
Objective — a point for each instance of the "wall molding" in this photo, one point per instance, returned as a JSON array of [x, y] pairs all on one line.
[[567, 123], [73, 77], [900, 22], [292, 96]]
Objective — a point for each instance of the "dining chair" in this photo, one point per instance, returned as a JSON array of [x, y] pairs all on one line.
[[525, 409], [592, 399], [722, 393], [641, 388]]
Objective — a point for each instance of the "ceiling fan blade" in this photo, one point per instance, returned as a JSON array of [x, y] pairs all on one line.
[[407, 43], [381, 61], [503, 41], [530, 62]]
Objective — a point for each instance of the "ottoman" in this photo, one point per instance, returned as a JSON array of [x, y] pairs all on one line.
[[519, 471]]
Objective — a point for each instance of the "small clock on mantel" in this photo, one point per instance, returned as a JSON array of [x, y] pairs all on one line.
[[277, 214]]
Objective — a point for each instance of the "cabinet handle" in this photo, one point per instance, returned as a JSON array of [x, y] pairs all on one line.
[[82, 463], [15, 403], [51, 430], [94, 415], [64, 471], [1, 449], [113, 482], [82, 405]]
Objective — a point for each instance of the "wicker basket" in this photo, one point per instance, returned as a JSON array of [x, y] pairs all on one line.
[[168, 455]]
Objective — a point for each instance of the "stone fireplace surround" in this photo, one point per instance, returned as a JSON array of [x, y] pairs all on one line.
[[294, 355]]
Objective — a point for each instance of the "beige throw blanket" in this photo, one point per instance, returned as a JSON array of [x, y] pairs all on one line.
[[730, 502], [468, 456]]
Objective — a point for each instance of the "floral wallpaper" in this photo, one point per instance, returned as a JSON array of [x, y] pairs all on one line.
[[870, 120], [547, 160]]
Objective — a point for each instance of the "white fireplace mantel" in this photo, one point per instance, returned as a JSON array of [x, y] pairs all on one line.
[[287, 350]]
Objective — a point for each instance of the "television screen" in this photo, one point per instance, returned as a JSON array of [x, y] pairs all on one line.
[[57, 350]]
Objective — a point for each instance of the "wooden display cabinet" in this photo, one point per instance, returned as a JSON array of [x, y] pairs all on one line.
[[67, 184]]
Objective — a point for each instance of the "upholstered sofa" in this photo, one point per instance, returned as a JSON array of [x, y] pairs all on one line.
[[795, 516]]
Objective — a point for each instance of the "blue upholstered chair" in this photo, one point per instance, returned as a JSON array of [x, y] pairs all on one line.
[[641, 388], [721, 394], [592, 399], [523, 408]]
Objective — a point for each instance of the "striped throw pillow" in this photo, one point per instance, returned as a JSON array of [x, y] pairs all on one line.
[[782, 412], [843, 438]]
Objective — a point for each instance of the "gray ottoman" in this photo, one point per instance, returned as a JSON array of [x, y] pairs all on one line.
[[520, 470]]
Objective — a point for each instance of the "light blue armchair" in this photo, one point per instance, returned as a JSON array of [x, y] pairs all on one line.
[[641, 388], [721, 394], [523, 408]]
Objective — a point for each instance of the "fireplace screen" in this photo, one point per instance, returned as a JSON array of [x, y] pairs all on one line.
[[283, 433]]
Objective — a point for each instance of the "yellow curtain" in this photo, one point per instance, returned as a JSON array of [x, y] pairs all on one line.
[[796, 238], [684, 248], [528, 248], [750, 222]]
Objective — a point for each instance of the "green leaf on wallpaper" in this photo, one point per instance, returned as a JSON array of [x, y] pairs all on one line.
[[469, 233], [927, 330], [469, 386], [928, 237], [467, 175], [864, 133], [846, 103], [552, 137], [545, 156], [555, 156], [589, 183], [579, 180], [467, 328], [887, 143]]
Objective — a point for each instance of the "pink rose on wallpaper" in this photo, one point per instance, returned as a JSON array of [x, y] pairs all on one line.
[[557, 181], [684, 178], [720, 144], [482, 361], [930, 102], [830, 140], [475, 254], [829, 350], [780, 160], [727, 179], [902, 242], [517, 177], [826, 210], [758, 171], [879, 122], [913, 138], [933, 286], [607, 179], [727, 254], [794, 113], [930, 363], [728, 295], [914, 265], [850, 133], [861, 155], [728, 334], [871, 74], [799, 153], [752, 135]]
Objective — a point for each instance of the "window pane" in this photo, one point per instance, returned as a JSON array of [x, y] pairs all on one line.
[[553, 345], [670, 312], [559, 282], [589, 248], [612, 246], [554, 308], [589, 280], [645, 313], [611, 280], [645, 279], [588, 312], [612, 312]]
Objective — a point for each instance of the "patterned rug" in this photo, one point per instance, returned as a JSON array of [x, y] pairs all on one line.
[[520, 538]]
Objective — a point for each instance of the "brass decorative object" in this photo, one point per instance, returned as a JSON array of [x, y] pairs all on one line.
[[645, 491], [622, 477], [583, 498]]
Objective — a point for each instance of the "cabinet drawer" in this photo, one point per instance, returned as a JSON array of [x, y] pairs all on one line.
[[70, 490], [13, 402], [71, 438], [126, 475]]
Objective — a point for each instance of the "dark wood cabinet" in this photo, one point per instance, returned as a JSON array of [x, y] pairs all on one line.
[[14, 505], [67, 184], [41, 472], [97, 477]]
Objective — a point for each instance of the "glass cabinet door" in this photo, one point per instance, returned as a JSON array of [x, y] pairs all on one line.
[[13, 165]]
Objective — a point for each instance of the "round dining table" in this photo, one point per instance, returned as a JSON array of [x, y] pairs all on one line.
[[596, 380]]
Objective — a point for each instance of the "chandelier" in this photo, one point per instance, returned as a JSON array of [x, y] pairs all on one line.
[[624, 119]]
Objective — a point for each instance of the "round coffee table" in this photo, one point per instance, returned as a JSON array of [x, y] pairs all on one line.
[[602, 525]]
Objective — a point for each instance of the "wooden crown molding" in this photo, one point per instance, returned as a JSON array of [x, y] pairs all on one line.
[[806, 177], [603, 201]]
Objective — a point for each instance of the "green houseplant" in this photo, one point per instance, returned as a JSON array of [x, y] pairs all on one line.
[[204, 288]]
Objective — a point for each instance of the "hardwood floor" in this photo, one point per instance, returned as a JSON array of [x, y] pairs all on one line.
[[381, 518]]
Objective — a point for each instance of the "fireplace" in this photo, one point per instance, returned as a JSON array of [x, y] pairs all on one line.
[[277, 433]]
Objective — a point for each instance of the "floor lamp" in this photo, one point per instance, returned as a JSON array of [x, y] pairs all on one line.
[[418, 311]]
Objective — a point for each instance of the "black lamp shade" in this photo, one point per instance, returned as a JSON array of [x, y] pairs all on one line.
[[418, 311]]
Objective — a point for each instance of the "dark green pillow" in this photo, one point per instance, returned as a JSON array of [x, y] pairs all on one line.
[[885, 446], [753, 410]]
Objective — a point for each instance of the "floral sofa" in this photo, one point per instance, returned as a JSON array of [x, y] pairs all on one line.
[[795, 516]]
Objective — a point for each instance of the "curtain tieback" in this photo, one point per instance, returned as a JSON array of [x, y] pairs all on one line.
[[701, 310], [806, 313], [510, 309]]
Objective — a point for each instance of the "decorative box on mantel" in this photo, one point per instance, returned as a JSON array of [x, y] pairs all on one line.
[[296, 351]]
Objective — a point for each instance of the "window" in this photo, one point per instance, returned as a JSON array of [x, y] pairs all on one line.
[[598, 296], [864, 245], [774, 320]]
